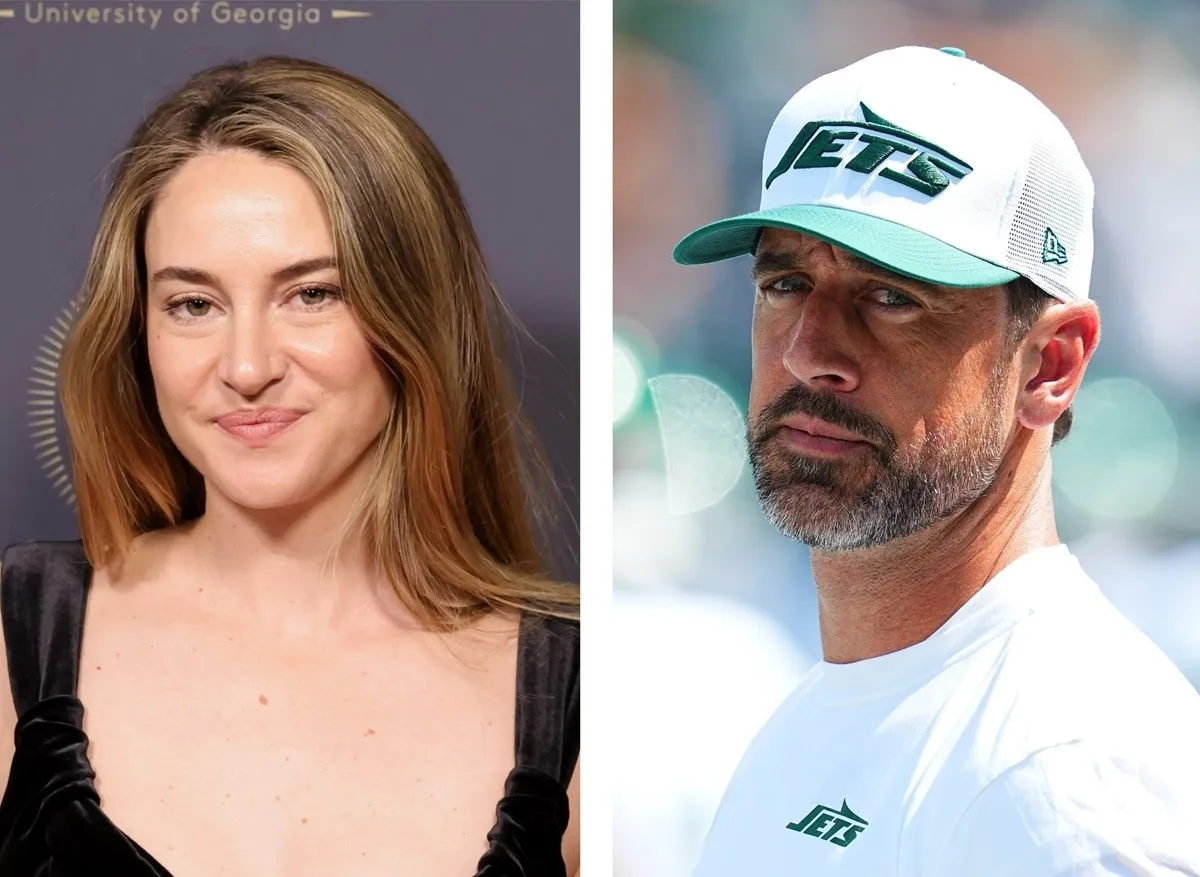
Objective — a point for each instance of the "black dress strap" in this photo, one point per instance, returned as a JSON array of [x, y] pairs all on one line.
[[50, 817], [548, 696], [43, 594], [533, 815]]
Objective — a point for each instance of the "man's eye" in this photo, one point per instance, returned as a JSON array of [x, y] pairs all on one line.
[[891, 299], [785, 285]]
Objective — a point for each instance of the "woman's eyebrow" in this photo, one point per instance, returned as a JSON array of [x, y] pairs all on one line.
[[203, 278]]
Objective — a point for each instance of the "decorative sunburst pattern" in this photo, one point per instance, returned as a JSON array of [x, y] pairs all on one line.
[[45, 411]]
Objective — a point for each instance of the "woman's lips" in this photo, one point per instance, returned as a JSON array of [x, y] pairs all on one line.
[[258, 427]]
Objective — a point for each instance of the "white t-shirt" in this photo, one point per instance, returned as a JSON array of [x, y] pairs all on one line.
[[1037, 733]]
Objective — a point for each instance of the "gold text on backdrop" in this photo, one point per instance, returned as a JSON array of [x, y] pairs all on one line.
[[284, 16]]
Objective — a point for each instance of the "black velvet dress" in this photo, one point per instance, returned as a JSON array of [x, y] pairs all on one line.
[[51, 824]]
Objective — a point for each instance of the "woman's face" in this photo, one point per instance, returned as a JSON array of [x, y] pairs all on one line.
[[263, 377]]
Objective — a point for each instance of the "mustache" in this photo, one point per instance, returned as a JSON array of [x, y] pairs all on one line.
[[799, 399]]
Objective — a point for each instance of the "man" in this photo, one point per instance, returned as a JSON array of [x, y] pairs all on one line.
[[922, 259]]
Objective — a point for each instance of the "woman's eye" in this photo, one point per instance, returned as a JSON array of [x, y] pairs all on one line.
[[189, 310], [316, 297]]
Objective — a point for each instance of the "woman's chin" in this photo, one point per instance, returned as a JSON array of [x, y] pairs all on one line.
[[297, 481], [259, 497]]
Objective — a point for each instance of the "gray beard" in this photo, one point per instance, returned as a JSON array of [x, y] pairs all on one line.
[[811, 500]]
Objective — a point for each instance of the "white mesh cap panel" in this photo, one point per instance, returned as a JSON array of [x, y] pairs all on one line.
[[1023, 174], [1058, 197]]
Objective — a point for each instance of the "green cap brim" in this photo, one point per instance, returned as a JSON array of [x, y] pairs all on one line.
[[889, 244]]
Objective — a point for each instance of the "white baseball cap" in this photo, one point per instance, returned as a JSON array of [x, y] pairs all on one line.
[[928, 164]]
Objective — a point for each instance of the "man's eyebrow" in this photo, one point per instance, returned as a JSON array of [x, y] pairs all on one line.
[[866, 267], [771, 261], [203, 278]]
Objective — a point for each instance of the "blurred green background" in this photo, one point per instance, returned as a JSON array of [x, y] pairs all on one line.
[[715, 611]]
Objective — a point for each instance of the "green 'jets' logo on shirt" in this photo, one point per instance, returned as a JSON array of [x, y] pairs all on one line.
[[839, 827], [830, 144]]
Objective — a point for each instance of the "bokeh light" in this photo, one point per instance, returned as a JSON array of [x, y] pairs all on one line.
[[1121, 457], [703, 437], [628, 380]]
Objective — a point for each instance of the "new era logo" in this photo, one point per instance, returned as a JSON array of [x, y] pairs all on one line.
[[839, 827], [1053, 250], [862, 148]]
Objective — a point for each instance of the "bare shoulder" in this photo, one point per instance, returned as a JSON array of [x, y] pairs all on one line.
[[146, 559], [494, 643], [8, 710], [571, 837], [490, 643]]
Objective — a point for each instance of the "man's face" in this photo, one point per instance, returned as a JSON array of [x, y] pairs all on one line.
[[879, 405]]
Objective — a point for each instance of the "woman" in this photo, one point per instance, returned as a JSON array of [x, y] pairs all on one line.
[[315, 617]]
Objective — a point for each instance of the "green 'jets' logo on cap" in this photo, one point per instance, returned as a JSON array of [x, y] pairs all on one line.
[[1053, 250], [839, 827], [830, 144]]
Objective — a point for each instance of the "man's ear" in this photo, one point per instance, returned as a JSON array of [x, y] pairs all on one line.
[[1054, 356]]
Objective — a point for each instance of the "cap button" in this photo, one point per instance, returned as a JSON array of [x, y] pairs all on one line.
[[957, 53]]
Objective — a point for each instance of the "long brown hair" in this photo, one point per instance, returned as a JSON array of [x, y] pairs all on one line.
[[446, 514]]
